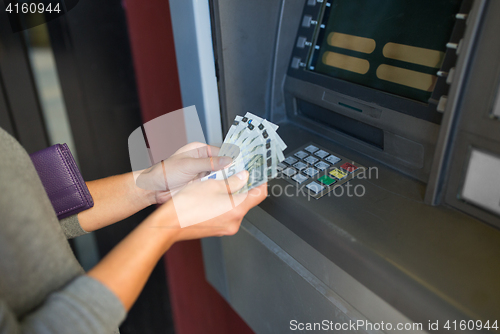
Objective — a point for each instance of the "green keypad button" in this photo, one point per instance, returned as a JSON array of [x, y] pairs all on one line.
[[326, 180]]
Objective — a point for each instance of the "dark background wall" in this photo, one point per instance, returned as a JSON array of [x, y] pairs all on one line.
[[20, 112], [94, 64]]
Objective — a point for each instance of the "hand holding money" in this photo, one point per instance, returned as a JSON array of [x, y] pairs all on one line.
[[254, 145]]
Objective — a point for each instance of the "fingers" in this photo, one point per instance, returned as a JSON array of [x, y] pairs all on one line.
[[253, 197], [237, 181], [259, 193], [220, 162], [198, 150], [195, 165], [205, 151], [212, 151]]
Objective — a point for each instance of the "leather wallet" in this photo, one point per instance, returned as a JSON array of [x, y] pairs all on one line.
[[62, 180]]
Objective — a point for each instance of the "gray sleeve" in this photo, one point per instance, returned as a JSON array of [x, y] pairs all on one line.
[[71, 227], [84, 306]]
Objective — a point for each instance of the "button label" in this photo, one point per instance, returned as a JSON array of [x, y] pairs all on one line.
[[338, 174], [322, 154], [322, 165], [311, 160], [311, 149], [289, 171], [290, 160], [310, 171], [299, 178], [300, 165], [349, 167], [315, 187], [332, 159], [301, 154]]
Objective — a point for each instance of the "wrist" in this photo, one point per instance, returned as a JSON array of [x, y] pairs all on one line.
[[163, 221], [143, 197]]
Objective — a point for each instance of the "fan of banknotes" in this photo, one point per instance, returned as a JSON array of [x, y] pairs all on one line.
[[253, 144]]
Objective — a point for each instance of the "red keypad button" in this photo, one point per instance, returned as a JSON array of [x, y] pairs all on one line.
[[349, 167]]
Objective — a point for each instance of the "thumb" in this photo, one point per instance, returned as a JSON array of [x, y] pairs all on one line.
[[198, 165], [237, 181]]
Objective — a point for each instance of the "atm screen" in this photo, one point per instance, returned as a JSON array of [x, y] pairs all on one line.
[[394, 46]]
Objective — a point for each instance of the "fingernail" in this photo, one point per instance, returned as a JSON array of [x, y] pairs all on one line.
[[242, 175], [224, 161]]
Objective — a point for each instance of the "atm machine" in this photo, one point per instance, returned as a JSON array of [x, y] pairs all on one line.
[[406, 92]]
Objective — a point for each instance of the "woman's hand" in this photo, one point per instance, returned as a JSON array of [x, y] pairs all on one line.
[[190, 162], [197, 210], [126, 268], [206, 209], [118, 197]]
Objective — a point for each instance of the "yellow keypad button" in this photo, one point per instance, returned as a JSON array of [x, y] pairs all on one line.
[[338, 174]]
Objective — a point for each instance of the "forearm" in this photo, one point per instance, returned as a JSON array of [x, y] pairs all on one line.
[[115, 198], [127, 267]]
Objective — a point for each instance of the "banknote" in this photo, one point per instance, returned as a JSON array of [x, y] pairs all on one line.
[[254, 145]]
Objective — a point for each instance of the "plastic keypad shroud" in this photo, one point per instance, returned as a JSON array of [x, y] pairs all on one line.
[[351, 174]]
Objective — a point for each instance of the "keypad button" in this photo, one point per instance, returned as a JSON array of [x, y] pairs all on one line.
[[301, 154], [322, 154], [311, 160], [290, 160], [315, 187], [310, 171], [299, 178], [300, 165], [338, 174], [332, 159], [311, 149], [349, 167], [289, 172], [280, 166], [322, 165], [326, 180]]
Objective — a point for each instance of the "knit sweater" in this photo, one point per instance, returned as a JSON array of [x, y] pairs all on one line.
[[43, 289]]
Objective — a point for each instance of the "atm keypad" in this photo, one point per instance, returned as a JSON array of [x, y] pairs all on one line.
[[311, 172], [299, 178], [289, 172], [322, 165], [301, 154], [311, 160], [280, 167], [318, 170], [300, 165], [290, 160], [311, 149], [322, 154], [315, 187], [333, 159]]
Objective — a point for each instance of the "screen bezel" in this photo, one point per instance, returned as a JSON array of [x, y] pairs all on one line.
[[422, 110]]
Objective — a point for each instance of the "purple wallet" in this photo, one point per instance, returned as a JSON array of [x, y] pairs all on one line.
[[62, 180]]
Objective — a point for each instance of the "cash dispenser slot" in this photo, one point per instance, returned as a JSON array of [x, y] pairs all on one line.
[[361, 131]]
